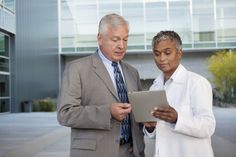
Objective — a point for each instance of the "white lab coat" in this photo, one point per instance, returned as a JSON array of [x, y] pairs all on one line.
[[191, 96]]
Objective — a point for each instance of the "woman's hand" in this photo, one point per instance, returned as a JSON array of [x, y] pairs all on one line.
[[167, 114]]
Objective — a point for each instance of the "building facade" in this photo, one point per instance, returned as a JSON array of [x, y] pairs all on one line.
[[37, 39], [205, 26], [7, 39]]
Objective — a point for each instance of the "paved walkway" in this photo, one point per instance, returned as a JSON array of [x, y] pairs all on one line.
[[33, 135], [39, 135]]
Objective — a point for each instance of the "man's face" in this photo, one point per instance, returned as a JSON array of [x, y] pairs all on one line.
[[167, 57], [113, 43]]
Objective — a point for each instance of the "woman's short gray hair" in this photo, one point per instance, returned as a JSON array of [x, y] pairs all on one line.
[[167, 35], [113, 20]]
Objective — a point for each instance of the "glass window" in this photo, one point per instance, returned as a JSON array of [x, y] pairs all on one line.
[[4, 42], [66, 10], [4, 64], [133, 12], [67, 42], [156, 19], [179, 13], [10, 24], [106, 7], [78, 25], [180, 20], [156, 12], [203, 21], [4, 73], [86, 25], [86, 14], [67, 26], [4, 105], [4, 85], [4, 53], [198, 23], [226, 21], [10, 4]]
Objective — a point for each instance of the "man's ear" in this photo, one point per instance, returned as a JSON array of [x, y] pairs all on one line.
[[99, 39]]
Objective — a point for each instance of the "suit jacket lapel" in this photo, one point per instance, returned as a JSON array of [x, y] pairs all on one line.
[[100, 70]]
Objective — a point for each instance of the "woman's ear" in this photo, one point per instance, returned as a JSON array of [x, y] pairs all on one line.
[[180, 53]]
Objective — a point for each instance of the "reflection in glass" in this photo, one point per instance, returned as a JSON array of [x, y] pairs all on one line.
[[106, 7], [4, 42], [225, 22], [4, 85], [203, 21], [10, 4], [4, 64], [2, 45], [180, 19], [133, 12], [200, 23], [4, 105]]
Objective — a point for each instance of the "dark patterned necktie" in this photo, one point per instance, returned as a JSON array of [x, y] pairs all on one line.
[[122, 93]]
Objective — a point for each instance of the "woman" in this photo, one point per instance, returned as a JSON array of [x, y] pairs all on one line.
[[186, 126]]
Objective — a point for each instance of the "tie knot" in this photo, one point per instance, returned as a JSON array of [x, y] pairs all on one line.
[[114, 64]]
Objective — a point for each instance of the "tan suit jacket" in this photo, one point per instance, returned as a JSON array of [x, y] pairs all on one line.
[[84, 105]]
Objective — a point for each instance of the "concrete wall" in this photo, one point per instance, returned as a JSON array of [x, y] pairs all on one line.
[[196, 62]]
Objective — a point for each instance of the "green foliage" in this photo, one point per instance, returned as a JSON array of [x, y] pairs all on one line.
[[222, 65], [44, 105]]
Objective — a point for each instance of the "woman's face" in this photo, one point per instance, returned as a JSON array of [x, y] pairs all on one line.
[[167, 57]]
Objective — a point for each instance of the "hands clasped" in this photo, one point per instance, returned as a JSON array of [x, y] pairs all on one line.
[[120, 110]]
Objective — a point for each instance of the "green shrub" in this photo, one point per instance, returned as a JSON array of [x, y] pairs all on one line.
[[44, 105], [222, 65]]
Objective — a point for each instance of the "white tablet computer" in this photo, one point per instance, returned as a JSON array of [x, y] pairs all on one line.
[[143, 102]]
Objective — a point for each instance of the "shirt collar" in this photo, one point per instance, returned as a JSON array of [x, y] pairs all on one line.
[[179, 75], [104, 59]]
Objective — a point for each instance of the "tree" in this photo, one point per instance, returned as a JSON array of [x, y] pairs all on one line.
[[222, 65]]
